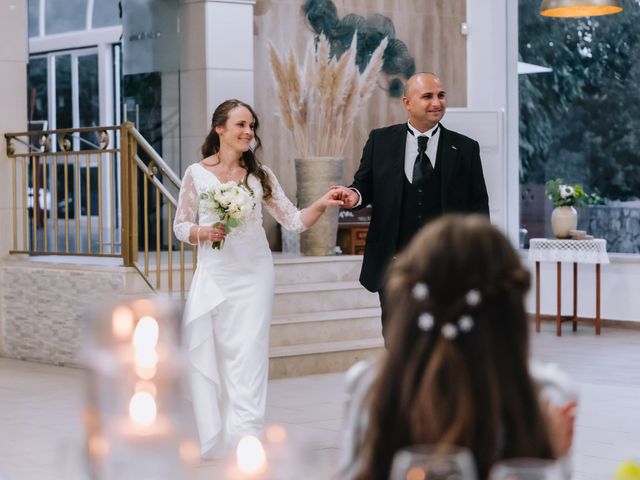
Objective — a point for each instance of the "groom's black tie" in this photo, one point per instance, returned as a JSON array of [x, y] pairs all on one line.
[[422, 169]]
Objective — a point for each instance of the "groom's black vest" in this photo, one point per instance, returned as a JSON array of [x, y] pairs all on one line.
[[420, 204]]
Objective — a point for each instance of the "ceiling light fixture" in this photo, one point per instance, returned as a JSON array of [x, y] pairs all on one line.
[[579, 8]]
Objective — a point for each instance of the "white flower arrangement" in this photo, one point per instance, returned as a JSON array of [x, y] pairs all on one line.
[[564, 195], [232, 202]]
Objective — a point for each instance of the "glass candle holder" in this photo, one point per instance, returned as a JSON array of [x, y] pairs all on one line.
[[136, 414]]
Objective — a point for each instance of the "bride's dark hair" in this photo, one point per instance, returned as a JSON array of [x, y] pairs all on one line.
[[248, 160]]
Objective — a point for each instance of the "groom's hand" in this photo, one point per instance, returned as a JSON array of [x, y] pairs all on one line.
[[347, 195]]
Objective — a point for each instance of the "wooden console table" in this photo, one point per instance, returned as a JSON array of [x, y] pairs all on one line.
[[351, 237], [574, 251]]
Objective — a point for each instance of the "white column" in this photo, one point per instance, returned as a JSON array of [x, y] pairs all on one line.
[[13, 114], [216, 63], [492, 84]]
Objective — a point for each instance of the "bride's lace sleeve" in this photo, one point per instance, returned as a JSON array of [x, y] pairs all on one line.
[[281, 208], [187, 210]]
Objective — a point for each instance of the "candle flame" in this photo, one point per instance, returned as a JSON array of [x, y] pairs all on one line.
[[122, 323], [416, 473], [276, 433], [146, 358], [142, 409], [251, 458], [145, 337]]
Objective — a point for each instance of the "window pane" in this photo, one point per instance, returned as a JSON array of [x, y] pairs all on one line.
[[106, 13], [65, 16], [64, 111], [34, 18], [88, 97], [37, 92], [581, 121]]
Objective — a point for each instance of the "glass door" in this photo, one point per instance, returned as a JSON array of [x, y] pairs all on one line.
[[64, 91]]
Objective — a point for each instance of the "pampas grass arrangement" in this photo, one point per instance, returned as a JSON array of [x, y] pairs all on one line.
[[319, 100]]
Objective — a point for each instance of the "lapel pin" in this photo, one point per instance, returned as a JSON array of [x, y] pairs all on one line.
[[454, 147]]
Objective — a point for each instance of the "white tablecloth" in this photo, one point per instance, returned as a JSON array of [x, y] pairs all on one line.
[[578, 251]]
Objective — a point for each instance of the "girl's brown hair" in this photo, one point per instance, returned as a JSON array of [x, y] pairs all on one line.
[[473, 390]]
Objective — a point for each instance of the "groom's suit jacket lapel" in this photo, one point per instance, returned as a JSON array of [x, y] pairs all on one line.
[[396, 154]]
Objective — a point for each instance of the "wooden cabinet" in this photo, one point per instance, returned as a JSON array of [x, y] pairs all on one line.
[[351, 238]]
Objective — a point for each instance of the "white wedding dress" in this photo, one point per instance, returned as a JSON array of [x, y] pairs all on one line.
[[228, 313]]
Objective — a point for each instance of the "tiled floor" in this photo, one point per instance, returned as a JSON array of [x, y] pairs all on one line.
[[40, 427]]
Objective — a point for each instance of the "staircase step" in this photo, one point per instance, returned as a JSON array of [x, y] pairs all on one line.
[[329, 357], [316, 269], [319, 297], [302, 269], [326, 316], [326, 347], [329, 326]]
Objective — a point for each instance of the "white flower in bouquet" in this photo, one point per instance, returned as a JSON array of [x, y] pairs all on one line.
[[232, 202]]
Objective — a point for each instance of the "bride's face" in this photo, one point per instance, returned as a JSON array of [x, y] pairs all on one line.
[[238, 132]]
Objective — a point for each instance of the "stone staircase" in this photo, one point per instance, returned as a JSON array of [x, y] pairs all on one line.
[[323, 319]]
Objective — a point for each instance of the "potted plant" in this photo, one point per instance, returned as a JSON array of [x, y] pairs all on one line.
[[565, 197], [319, 102]]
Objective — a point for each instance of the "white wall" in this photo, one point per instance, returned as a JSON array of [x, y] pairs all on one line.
[[13, 114], [492, 84], [487, 54], [487, 127]]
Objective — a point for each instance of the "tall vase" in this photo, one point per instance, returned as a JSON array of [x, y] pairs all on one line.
[[563, 219], [314, 177]]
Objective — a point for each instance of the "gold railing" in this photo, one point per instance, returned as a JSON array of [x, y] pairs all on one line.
[[100, 191]]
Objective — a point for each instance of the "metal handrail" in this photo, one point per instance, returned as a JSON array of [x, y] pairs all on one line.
[[57, 196], [157, 159]]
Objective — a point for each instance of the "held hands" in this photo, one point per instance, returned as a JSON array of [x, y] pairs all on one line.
[[348, 196], [332, 198]]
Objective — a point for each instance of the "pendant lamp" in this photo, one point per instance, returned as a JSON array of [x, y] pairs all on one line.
[[579, 8]]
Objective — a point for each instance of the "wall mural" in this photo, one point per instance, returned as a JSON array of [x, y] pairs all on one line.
[[322, 17]]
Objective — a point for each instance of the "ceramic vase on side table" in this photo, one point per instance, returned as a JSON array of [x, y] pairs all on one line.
[[564, 219]]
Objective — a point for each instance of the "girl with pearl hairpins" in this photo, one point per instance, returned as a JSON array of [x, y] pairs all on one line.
[[457, 369]]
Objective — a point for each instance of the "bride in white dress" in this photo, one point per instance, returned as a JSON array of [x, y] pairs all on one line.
[[228, 310]]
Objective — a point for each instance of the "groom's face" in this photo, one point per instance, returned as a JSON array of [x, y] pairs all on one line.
[[425, 101]]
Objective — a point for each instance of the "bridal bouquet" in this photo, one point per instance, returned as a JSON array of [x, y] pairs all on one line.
[[232, 202]]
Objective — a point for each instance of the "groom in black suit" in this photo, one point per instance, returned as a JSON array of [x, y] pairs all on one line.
[[412, 173]]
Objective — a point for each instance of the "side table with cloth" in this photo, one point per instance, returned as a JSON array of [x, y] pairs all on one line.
[[575, 251]]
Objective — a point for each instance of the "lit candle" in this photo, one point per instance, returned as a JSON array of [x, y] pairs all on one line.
[[251, 460], [122, 322], [135, 372]]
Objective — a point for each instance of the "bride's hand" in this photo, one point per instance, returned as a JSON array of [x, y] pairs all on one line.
[[333, 198], [212, 234]]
